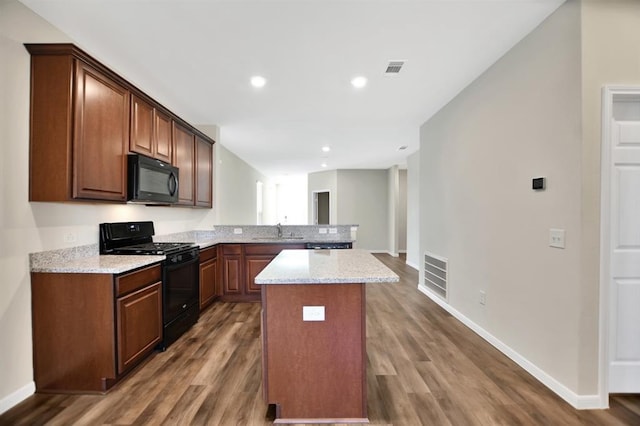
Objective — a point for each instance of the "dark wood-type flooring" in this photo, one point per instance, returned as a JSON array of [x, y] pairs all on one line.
[[425, 368]]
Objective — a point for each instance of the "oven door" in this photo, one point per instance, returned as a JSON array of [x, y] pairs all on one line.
[[181, 284]]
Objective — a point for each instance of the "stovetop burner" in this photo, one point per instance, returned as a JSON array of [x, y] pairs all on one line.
[[152, 248], [135, 238]]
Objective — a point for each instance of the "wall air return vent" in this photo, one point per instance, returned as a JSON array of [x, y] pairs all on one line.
[[394, 67], [436, 272]]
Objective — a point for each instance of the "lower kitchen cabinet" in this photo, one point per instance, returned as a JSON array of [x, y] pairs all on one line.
[[208, 276], [241, 264], [89, 330]]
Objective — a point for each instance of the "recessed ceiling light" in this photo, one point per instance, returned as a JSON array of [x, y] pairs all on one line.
[[258, 81], [359, 82], [323, 165], [326, 149]]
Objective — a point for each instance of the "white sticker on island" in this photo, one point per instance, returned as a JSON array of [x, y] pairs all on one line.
[[313, 313]]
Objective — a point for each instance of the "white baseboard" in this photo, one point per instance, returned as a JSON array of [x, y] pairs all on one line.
[[581, 402], [17, 397], [413, 265]]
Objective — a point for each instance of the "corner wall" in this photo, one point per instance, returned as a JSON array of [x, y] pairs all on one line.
[[521, 119]]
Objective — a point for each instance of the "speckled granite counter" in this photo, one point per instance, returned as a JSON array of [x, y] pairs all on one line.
[[325, 267], [86, 259]]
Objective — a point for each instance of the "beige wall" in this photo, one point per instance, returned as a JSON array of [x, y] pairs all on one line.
[[521, 119], [413, 210], [32, 227], [364, 200], [610, 41]]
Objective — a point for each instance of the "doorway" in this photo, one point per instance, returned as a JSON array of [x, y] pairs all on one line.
[[620, 243], [321, 207]]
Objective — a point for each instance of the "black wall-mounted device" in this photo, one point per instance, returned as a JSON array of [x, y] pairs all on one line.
[[538, 184]]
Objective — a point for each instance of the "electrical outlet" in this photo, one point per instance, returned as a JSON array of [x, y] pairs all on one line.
[[483, 297], [237, 231], [313, 313], [333, 230], [556, 238], [322, 230], [69, 237]]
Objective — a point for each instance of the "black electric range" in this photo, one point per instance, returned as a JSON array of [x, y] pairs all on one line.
[[180, 272]]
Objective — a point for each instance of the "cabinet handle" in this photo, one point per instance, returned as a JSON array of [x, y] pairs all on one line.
[[173, 183]]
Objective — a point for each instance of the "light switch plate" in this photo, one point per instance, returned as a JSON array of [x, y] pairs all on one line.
[[322, 230], [313, 313], [237, 231], [333, 230], [556, 238]]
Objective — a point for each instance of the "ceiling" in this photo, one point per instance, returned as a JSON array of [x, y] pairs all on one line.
[[196, 57]]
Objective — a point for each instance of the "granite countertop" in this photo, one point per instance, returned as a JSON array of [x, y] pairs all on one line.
[[325, 267], [86, 259]]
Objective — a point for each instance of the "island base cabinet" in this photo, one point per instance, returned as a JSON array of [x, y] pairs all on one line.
[[315, 370]]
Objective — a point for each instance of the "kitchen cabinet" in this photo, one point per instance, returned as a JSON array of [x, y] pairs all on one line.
[[184, 160], [204, 173], [89, 330], [232, 272], [208, 276], [79, 131], [150, 130], [85, 119], [241, 264]]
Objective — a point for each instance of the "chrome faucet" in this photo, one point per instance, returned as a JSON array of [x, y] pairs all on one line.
[[279, 230]]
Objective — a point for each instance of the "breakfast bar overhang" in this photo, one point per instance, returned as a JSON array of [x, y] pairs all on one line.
[[314, 333]]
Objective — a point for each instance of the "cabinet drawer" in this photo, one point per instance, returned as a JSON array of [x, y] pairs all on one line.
[[232, 249], [208, 253], [135, 280]]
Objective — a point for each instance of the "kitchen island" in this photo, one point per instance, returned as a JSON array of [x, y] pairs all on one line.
[[314, 333]]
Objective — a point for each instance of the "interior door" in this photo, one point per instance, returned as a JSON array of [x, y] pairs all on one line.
[[321, 201], [624, 290]]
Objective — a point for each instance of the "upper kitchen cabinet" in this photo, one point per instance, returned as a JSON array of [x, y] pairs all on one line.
[[150, 130], [85, 119], [193, 156], [204, 173], [79, 127], [184, 158]]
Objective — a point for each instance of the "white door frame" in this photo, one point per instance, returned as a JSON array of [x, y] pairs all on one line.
[[608, 95], [314, 203]]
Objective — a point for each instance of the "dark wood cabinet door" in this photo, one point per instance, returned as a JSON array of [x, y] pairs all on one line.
[[208, 272], [232, 270], [184, 160], [162, 136], [253, 266], [204, 173], [141, 127], [101, 136], [139, 319]]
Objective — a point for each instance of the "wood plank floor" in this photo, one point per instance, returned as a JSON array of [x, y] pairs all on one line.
[[425, 368]]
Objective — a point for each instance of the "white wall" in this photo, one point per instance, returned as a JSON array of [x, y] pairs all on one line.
[[235, 195], [32, 227], [364, 200], [519, 120], [413, 210], [292, 204]]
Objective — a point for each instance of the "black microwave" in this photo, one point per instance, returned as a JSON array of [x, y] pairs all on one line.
[[151, 181]]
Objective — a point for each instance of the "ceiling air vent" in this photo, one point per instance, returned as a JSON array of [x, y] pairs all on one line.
[[394, 67]]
